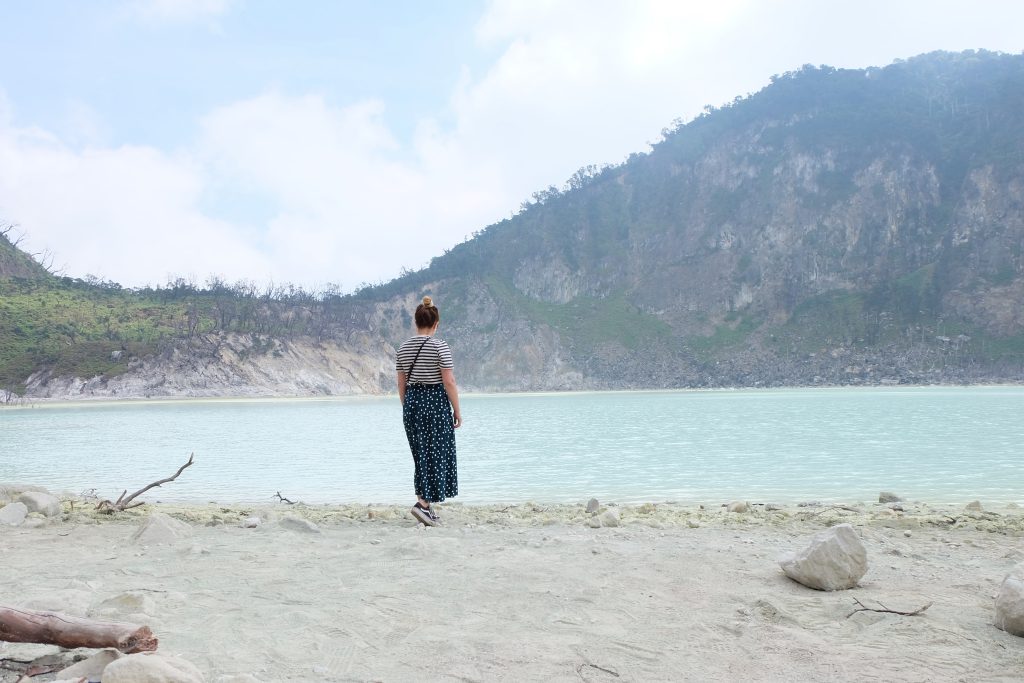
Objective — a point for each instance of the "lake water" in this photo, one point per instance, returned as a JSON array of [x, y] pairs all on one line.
[[935, 444]]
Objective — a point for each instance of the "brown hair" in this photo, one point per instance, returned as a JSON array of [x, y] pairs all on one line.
[[427, 314]]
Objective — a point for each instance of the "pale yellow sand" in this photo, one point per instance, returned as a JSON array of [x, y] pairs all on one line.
[[532, 593]]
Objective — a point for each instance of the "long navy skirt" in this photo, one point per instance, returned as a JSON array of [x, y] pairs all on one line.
[[430, 428]]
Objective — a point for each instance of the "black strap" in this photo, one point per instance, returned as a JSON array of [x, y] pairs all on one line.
[[408, 376]]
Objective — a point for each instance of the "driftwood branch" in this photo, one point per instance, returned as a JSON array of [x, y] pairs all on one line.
[[123, 503], [53, 628], [847, 508], [579, 670], [886, 610], [284, 500]]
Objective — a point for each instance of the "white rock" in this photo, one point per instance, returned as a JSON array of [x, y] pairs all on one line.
[[12, 491], [151, 668], [159, 528], [1010, 602], [888, 497], [13, 514], [834, 560], [593, 505], [92, 667], [974, 505], [251, 522], [609, 518], [693, 524], [40, 502], [594, 523], [738, 506], [34, 520], [299, 524]]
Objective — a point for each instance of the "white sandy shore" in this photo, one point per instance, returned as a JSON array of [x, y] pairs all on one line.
[[532, 593]]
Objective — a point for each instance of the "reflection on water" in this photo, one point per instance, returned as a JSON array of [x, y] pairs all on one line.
[[936, 444]]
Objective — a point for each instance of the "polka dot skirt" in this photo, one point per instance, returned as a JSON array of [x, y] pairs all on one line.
[[430, 427]]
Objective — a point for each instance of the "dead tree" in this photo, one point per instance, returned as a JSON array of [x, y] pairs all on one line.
[[53, 628], [123, 503]]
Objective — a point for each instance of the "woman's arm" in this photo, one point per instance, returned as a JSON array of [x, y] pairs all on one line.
[[401, 387], [448, 378]]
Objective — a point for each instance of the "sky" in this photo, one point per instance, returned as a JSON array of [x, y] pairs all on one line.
[[340, 142]]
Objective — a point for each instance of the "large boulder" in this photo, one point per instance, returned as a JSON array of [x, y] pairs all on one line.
[[159, 529], [151, 668], [1010, 602], [609, 518], [834, 560], [43, 503], [13, 514]]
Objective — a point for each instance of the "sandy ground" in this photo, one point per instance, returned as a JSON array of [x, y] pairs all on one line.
[[532, 593]]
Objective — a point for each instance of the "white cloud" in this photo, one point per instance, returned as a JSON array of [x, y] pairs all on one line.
[[126, 213], [342, 199]]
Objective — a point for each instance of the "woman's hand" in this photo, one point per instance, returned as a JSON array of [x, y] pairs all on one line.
[[457, 416]]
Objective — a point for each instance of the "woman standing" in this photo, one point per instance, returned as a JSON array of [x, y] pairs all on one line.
[[430, 412]]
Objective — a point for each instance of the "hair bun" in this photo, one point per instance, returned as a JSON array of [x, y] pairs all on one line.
[[427, 301]]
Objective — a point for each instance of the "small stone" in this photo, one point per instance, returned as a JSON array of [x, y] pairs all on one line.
[[93, 667], [159, 529], [738, 506], [34, 520], [907, 533], [693, 524], [609, 518], [834, 560], [974, 505], [151, 668], [888, 497], [593, 505], [44, 503], [251, 522], [376, 541], [1010, 602], [298, 524], [13, 514], [594, 523]]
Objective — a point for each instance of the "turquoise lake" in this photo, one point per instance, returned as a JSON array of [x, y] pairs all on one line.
[[938, 444]]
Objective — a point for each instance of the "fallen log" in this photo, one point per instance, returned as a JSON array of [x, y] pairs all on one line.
[[53, 628]]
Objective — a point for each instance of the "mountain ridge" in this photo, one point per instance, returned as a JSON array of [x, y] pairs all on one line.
[[840, 226]]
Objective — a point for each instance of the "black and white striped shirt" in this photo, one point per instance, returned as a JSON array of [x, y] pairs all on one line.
[[434, 357]]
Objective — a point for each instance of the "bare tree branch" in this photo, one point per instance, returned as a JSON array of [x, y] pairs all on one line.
[[126, 503], [886, 610]]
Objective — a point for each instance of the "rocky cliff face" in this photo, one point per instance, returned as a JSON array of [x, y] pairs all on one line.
[[839, 226], [240, 366]]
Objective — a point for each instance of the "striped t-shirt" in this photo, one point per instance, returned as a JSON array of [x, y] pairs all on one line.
[[434, 357]]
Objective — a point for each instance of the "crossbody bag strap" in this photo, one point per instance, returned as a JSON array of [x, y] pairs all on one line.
[[408, 376]]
